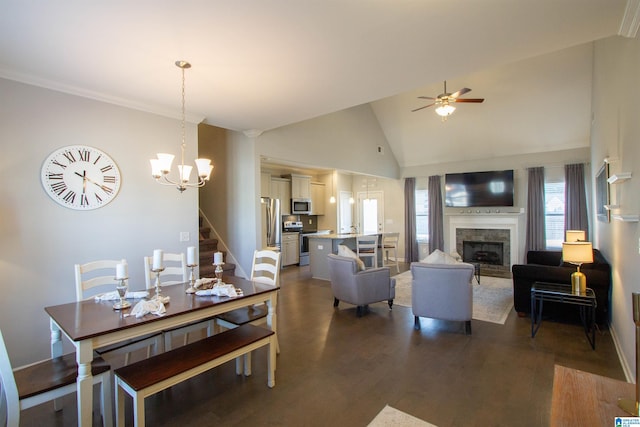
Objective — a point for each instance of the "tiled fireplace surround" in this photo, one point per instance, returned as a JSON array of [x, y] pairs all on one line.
[[502, 228]]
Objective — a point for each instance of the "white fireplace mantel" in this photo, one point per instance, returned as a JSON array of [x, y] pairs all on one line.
[[502, 222]]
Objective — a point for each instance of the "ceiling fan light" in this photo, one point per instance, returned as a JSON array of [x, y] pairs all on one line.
[[445, 110]]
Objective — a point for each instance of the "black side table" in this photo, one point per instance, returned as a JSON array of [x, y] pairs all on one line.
[[476, 266], [563, 293]]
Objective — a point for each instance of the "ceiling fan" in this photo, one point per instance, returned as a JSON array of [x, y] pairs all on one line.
[[444, 100]]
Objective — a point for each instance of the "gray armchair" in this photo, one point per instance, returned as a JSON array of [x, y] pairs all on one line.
[[359, 288], [442, 291]]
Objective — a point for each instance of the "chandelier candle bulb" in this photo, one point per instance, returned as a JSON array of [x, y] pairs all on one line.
[[121, 271], [191, 255], [157, 259], [217, 258]]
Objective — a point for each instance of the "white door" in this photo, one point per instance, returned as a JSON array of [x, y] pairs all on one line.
[[345, 207], [371, 212]]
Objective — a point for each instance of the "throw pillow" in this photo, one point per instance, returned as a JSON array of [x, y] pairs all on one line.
[[348, 253], [435, 257]]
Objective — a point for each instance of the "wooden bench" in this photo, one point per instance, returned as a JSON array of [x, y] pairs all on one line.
[[157, 373]]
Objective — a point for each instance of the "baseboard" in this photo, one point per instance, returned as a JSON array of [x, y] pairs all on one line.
[[628, 373]]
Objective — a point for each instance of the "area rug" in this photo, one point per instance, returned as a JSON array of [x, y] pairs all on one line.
[[492, 298], [392, 417]]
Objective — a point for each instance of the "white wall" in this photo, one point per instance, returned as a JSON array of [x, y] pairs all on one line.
[[616, 134], [347, 140], [41, 241]]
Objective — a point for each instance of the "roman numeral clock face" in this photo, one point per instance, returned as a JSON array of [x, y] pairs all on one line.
[[80, 177]]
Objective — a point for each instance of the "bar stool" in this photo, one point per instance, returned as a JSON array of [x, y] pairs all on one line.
[[367, 247], [390, 242]]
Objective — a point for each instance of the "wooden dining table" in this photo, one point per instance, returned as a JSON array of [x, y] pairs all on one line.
[[91, 324]]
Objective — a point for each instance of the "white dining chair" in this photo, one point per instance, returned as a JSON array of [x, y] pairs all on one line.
[[99, 276], [367, 248], [265, 269], [31, 385], [390, 243], [175, 272]]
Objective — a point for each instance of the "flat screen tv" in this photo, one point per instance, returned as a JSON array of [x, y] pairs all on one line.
[[476, 189]]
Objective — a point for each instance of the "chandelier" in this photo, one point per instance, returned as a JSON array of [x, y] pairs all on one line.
[[161, 166]]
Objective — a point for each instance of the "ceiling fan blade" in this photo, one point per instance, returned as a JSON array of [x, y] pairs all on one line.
[[468, 100], [420, 108], [426, 97], [460, 92]]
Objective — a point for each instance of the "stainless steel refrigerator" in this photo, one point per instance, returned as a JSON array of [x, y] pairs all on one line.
[[271, 223]]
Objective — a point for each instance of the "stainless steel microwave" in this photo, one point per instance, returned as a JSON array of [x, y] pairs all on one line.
[[300, 206]]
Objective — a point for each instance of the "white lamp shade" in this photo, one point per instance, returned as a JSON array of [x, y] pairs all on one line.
[[577, 252], [204, 168], [185, 172], [156, 172], [575, 236], [165, 161]]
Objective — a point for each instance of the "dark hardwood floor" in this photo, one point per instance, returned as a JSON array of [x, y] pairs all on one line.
[[335, 369]]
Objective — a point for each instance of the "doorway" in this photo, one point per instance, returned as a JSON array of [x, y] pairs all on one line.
[[371, 212], [345, 217]]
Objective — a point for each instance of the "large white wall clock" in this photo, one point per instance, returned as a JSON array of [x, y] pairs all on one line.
[[80, 177]]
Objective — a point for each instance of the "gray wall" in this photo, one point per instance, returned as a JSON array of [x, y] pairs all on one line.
[[41, 241], [615, 134]]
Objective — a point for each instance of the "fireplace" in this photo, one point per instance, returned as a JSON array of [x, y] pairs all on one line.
[[483, 252], [490, 240]]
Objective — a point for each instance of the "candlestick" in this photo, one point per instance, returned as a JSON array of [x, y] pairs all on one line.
[[192, 280], [191, 255], [157, 259], [157, 271], [122, 291]]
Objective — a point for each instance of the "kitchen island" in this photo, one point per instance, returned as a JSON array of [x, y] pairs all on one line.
[[322, 245]]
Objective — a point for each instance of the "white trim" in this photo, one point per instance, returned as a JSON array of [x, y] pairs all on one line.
[[628, 373]]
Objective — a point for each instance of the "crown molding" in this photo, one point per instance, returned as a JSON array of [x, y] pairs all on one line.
[[97, 96]]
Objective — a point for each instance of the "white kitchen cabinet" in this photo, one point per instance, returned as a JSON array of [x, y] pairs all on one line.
[[300, 186], [290, 248], [281, 189], [317, 198], [265, 184]]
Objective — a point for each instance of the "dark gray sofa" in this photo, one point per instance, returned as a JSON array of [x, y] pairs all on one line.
[[547, 266]]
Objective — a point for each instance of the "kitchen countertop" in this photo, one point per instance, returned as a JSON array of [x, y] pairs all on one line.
[[338, 236]]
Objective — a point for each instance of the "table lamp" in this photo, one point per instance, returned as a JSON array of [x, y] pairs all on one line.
[[575, 236], [631, 406], [577, 253]]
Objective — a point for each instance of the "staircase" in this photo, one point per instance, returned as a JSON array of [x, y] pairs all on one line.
[[208, 247]]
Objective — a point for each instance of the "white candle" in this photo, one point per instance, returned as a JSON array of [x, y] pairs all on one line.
[[121, 271], [157, 259], [217, 258], [191, 255]]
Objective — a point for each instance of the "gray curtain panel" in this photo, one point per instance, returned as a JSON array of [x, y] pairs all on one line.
[[410, 240], [436, 227], [575, 199], [536, 238]]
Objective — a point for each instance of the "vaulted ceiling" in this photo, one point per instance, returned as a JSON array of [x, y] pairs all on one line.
[[259, 65]]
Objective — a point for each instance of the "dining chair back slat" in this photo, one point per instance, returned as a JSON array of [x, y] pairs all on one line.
[[95, 276]]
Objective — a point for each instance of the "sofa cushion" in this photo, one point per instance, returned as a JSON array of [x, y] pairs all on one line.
[[347, 252]]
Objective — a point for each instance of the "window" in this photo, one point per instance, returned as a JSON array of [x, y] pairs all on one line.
[[554, 214], [422, 216]]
